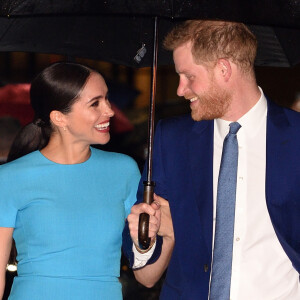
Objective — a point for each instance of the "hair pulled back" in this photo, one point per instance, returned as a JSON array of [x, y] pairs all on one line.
[[57, 87]]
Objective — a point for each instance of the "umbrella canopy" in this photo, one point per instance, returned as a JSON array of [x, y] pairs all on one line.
[[279, 12], [116, 30]]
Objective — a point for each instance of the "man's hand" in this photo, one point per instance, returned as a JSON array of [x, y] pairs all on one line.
[[153, 211], [160, 221], [166, 224]]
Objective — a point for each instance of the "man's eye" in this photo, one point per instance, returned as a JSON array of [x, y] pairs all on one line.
[[96, 103]]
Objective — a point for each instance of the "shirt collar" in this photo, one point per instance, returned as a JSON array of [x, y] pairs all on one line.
[[250, 121]]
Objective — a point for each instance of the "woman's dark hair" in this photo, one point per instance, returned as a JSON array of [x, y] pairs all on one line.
[[57, 87]]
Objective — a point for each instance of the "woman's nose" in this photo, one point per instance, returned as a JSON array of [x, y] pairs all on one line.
[[108, 111]]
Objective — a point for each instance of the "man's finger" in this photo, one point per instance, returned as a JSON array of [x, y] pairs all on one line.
[[162, 201], [142, 208], [155, 205]]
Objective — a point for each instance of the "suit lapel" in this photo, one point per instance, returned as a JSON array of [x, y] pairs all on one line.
[[201, 162]]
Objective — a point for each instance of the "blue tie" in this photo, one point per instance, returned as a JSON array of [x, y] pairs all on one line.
[[222, 257]]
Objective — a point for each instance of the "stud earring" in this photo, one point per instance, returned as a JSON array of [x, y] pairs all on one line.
[[64, 128]]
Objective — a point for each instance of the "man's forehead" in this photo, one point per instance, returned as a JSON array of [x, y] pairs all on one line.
[[183, 58], [187, 46]]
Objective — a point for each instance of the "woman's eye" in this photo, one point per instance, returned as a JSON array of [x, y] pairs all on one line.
[[95, 104]]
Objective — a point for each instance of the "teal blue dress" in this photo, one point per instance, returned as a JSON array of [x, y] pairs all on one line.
[[68, 222]]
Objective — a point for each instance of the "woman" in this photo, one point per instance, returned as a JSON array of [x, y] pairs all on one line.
[[65, 203]]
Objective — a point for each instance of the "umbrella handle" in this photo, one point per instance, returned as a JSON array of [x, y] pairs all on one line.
[[143, 232]]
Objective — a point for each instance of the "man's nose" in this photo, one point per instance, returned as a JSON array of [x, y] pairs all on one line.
[[181, 88]]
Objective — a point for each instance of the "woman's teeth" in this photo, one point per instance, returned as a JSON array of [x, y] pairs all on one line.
[[102, 126], [193, 99]]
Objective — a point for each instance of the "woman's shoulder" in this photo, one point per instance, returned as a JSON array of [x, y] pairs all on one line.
[[98, 153], [17, 169], [113, 158], [23, 161]]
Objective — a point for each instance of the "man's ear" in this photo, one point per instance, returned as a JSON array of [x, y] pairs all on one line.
[[224, 67], [57, 118]]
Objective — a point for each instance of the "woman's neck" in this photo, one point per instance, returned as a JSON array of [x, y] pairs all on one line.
[[63, 152]]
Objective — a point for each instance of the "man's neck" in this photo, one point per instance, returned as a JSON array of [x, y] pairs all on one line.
[[245, 95]]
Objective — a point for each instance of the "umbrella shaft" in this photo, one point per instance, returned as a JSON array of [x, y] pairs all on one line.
[[152, 103]]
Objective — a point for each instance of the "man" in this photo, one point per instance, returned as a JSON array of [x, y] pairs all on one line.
[[214, 61]]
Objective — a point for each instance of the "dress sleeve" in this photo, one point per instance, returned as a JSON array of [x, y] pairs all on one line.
[[8, 211], [132, 183]]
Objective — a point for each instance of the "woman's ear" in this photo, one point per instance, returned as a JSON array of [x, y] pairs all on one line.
[[57, 118], [224, 67]]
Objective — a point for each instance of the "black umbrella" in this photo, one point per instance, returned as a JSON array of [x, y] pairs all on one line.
[[114, 30], [124, 32]]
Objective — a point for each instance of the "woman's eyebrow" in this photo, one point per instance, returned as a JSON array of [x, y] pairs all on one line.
[[98, 97], [95, 98]]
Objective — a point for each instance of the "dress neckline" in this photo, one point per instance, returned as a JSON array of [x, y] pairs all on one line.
[[59, 164]]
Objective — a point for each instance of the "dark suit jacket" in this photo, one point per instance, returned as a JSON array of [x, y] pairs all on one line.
[[182, 170]]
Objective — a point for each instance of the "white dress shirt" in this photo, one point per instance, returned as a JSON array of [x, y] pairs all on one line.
[[260, 268]]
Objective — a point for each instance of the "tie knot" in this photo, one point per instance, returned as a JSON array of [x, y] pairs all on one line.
[[234, 127]]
